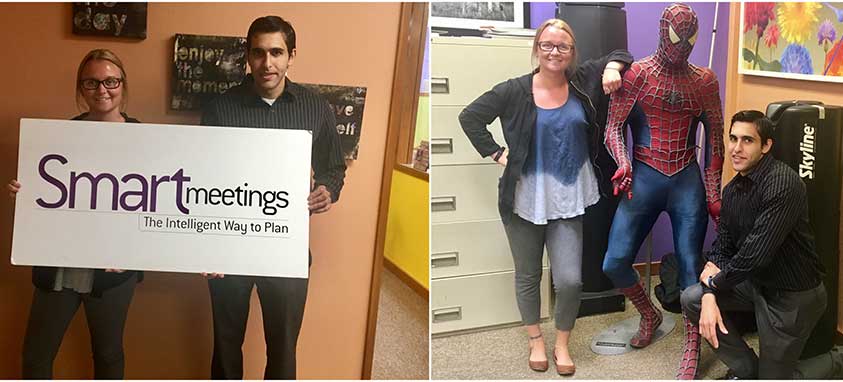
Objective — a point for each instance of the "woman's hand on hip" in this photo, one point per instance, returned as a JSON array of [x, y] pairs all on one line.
[[502, 159]]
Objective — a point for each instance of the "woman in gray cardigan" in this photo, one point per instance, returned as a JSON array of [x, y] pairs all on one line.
[[552, 121]]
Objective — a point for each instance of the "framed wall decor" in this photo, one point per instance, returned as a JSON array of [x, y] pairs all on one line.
[[476, 14], [792, 40], [205, 66], [347, 104], [110, 19]]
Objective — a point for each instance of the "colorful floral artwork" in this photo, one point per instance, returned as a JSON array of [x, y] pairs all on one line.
[[799, 40]]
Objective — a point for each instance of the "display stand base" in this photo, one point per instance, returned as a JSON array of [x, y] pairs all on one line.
[[615, 339]]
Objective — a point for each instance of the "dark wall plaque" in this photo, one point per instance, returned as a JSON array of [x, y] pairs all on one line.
[[347, 104], [110, 19], [205, 66]]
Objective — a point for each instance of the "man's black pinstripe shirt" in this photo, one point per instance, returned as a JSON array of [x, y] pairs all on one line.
[[298, 109], [764, 234]]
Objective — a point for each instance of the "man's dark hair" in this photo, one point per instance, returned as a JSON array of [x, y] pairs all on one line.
[[763, 125], [272, 24]]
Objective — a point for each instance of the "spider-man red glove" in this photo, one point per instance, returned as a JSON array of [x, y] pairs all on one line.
[[622, 180]]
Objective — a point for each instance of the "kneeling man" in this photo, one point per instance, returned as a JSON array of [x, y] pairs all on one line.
[[763, 260]]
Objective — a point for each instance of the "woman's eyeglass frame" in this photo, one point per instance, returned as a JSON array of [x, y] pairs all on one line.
[[110, 83], [547, 46]]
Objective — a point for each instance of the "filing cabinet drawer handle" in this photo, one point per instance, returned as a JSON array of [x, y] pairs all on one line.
[[442, 145], [447, 314], [440, 85], [443, 203], [444, 259]]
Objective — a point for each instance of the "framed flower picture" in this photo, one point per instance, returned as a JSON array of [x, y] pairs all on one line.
[[792, 40]]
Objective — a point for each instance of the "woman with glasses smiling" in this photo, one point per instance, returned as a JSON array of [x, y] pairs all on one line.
[[101, 88], [553, 121]]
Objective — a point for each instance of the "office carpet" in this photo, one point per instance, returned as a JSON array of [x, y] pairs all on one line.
[[502, 353], [402, 339]]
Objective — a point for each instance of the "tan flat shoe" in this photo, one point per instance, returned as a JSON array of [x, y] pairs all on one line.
[[540, 366], [563, 370]]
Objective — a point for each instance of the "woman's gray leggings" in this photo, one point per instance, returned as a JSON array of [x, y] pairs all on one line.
[[563, 238]]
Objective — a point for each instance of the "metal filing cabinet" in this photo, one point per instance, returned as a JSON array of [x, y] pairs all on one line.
[[473, 279]]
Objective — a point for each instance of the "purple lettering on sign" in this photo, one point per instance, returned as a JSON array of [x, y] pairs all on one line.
[[55, 182], [147, 194], [95, 181], [180, 178], [153, 198], [145, 197], [142, 193]]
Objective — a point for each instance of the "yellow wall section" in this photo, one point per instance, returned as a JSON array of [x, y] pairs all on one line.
[[407, 227], [422, 120]]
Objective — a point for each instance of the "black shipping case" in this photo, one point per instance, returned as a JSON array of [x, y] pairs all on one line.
[[809, 138], [600, 29]]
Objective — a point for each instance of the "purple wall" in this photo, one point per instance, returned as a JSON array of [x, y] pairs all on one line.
[[642, 20], [425, 76], [539, 12]]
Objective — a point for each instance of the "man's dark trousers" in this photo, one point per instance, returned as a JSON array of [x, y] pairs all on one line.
[[282, 304], [784, 319]]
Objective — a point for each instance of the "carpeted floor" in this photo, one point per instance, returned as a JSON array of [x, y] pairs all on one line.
[[402, 337], [502, 354]]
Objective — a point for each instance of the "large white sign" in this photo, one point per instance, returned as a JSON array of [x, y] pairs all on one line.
[[163, 197]]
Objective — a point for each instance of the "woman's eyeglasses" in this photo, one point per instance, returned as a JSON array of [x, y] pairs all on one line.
[[547, 46], [109, 83]]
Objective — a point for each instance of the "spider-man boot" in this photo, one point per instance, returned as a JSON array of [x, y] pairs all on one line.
[[651, 317], [691, 354]]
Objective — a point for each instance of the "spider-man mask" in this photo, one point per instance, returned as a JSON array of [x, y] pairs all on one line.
[[677, 33]]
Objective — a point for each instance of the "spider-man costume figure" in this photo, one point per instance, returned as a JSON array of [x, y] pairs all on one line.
[[663, 99]]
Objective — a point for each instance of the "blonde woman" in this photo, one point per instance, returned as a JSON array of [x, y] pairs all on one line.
[[101, 89], [552, 119]]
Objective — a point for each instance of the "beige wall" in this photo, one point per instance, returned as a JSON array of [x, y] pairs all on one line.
[[753, 92], [168, 334]]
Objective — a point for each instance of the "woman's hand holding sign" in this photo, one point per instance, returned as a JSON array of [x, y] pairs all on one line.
[[14, 187]]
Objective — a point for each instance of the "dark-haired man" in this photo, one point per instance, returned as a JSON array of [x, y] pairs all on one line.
[[763, 260], [268, 99]]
